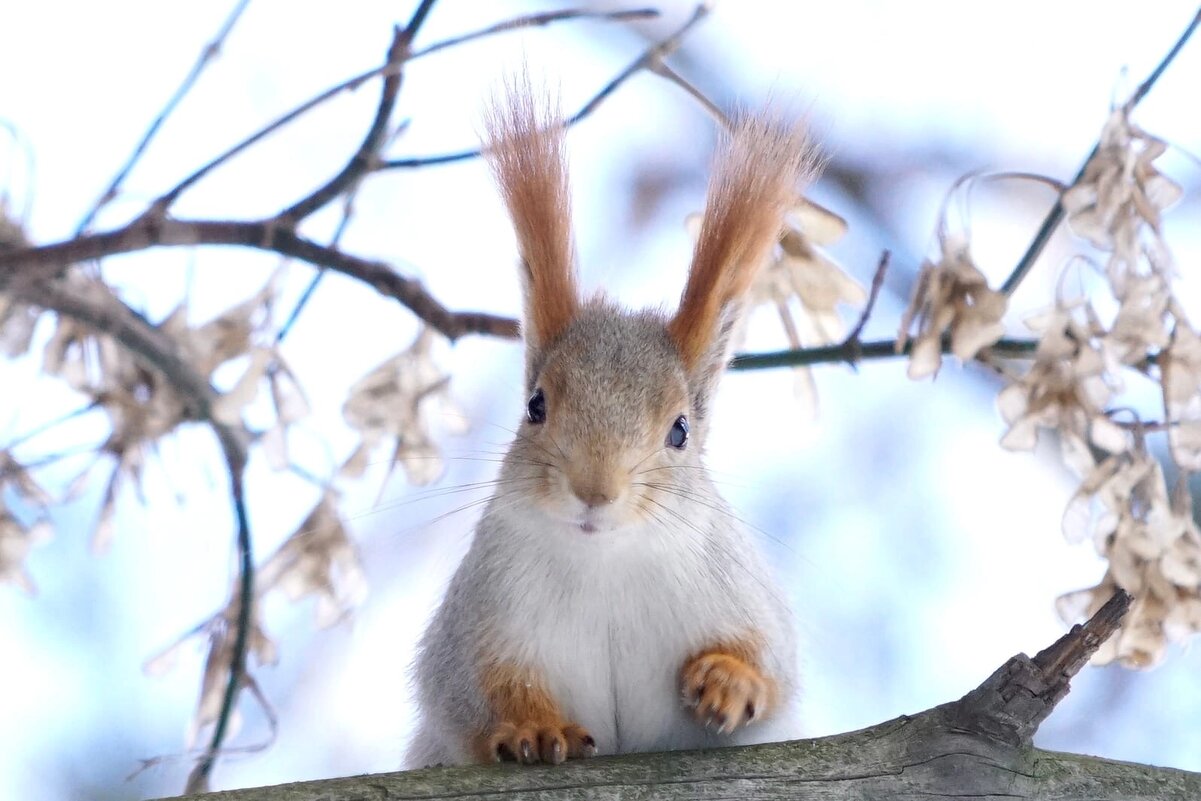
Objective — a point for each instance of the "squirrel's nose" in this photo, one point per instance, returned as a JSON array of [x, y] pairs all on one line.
[[595, 493]]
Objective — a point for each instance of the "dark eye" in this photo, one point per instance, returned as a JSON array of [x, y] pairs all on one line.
[[535, 410], [678, 436]]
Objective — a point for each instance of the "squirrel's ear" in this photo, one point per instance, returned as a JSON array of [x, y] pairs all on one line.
[[757, 176], [525, 150]]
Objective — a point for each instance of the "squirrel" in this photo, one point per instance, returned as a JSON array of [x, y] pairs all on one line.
[[610, 601]]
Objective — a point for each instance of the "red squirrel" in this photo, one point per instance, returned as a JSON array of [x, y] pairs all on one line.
[[610, 600]]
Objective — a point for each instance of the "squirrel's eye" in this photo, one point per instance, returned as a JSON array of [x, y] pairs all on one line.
[[678, 436], [535, 410]]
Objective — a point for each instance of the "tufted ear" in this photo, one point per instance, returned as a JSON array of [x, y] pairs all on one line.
[[525, 150], [757, 176]]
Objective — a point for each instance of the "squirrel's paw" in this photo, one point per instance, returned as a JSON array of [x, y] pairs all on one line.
[[723, 691], [530, 743]]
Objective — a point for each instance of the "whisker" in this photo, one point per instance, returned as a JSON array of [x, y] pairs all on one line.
[[439, 492], [706, 501]]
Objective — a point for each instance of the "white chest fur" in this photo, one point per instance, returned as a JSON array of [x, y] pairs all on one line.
[[610, 619]]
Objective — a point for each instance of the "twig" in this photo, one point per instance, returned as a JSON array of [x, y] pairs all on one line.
[[164, 201], [650, 56], [416, 21], [872, 296], [210, 52], [536, 20], [10, 466], [363, 159], [49, 424], [236, 459], [1055, 215], [159, 207], [849, 352], [307, 294], [1070, 652], [660, 68], [1151, 79]]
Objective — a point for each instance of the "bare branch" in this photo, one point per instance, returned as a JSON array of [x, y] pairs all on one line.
[[872, 297], [210, 52], [649, 57], [29, 266], [848, 352], [1055, 215], [159, 207], [49, 424], [367, 154], [164, 201], [536, 20]]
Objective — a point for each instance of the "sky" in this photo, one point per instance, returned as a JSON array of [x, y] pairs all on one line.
[[919, 555]]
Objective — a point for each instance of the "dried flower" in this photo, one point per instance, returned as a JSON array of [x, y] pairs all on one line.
[[1180, 370], [318, 559], [1139, 328], [16, 541], [1120, 194], [17, 321], [141, 404], [393, 401], [1067, 388], [221, 632], [1154, 550], [291, 406], [951, 295]]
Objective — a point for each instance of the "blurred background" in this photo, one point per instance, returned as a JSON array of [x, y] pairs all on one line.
[[918, 553]]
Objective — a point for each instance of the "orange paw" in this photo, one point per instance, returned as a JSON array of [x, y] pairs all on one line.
[[530, 743], [724, 691]]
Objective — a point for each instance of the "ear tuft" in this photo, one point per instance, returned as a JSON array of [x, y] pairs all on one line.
[[526, 152], [757, 177]]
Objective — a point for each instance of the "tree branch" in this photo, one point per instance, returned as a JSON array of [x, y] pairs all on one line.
[[210, 52], [977, 747], [536, 20], [108, 315], [852, 352], [1055, 215], [653, 54], [367, 154], [30, 266]]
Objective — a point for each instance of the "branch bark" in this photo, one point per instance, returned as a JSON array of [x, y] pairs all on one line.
[[976, 747], [31, 266]]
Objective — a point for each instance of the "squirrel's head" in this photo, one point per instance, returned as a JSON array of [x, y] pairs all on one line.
[[618, 401]]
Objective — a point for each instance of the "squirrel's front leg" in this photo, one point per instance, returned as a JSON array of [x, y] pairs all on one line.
[[526, 723], [724, 686]]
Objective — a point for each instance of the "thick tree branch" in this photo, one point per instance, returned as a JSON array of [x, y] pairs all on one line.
[[30, 266], [977, 747]]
